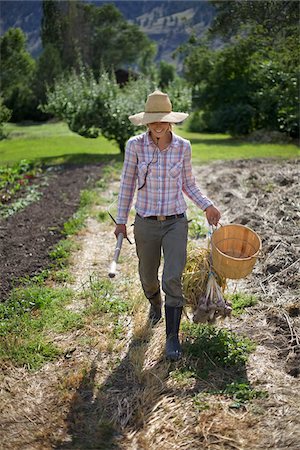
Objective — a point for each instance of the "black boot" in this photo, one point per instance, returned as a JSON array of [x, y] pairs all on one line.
[[173, 317], [155, 309]]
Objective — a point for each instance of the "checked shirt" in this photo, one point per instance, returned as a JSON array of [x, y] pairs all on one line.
[[161, 177]]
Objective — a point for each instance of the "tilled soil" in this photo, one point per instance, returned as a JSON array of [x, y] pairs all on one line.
[[26, 238]]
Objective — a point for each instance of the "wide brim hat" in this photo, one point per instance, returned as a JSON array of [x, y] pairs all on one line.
[[158, 108]]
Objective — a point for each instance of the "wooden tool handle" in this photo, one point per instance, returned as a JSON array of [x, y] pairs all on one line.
[[113, 266]]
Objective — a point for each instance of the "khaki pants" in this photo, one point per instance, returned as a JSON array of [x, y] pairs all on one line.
[[153, 237]]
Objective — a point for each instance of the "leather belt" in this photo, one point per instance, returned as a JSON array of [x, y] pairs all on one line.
[[162, 218]]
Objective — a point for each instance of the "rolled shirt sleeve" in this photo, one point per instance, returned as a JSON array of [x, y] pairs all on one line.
[[128, 183]]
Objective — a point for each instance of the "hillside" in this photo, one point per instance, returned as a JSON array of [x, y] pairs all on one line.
[[168, 23]]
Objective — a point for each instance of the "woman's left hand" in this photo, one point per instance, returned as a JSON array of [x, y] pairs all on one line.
[[213, 215]]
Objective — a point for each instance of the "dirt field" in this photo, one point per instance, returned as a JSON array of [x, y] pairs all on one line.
[[262, 194], [26, 237]]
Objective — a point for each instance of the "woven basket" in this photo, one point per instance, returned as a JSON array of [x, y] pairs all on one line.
[[234, 250]]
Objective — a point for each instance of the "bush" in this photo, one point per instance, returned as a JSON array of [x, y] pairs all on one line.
[[196, 123], [5, 115]]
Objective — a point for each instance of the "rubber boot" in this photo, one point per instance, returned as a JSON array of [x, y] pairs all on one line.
[[155, 309], [173, 318]]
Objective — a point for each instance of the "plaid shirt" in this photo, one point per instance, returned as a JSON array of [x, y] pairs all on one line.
[[161, 177]]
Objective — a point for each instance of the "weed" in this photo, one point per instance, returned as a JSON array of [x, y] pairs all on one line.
[[199, 403], [182, 374], [37, 279], [26, 318], [75, 223], [61, 252], [240, 301], [87, 198], [118, 329], [103, 300], [242, 392], [217, 347], [29, 353], [110, 172], [102, 216]]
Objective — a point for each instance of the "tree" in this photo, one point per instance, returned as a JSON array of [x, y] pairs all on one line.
[[17, 72], [52, 25], [5, 115], [48, 68], [251, 82], [180, 94], [92, 107], [95, 36], [166, 73], [275, 18]]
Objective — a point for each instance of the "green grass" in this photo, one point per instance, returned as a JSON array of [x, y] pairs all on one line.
[[27, 318], [208, 147], [54, 143], [103, 300]]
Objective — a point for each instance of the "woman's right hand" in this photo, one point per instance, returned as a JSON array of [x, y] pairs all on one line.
[[121, 228]]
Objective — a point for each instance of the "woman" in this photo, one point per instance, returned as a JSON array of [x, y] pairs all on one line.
[[158, 164]]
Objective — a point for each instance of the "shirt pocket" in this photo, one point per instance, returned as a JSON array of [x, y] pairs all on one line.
[[175, 169]]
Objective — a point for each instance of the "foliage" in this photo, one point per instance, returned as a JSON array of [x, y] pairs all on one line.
[[48, 69], [252, 81], [31, 195], [5, 115], [26, 318], [241, 87], [239, 301], [242, 392], [180, 94], [197, 227], [166, 74], [103, 300], [61, 253], [17, 74], [225, 349], [275, 17], [97, 36], [92, 107], [16, 177]]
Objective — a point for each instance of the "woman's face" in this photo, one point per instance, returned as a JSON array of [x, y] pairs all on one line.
[[159, 129]]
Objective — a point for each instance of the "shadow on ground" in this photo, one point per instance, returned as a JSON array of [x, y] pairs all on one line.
[[98, 416]]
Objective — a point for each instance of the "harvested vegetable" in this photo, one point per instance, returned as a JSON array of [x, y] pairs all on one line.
[[203, 288]]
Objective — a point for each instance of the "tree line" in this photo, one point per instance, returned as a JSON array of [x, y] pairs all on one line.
[[251, 82], [243, 75]]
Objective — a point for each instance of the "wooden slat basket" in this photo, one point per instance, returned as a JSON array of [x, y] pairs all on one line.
[[235, 249]]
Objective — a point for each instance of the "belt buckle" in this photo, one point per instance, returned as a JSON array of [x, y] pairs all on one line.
[[161, 218]]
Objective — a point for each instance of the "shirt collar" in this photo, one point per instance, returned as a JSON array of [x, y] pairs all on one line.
[[149, 141]]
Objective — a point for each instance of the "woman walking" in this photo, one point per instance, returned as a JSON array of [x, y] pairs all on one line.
[[158, 164]]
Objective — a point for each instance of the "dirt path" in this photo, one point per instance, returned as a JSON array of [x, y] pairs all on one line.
[[61, 406]]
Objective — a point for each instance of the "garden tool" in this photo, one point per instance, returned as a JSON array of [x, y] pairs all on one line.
[[113, 266]]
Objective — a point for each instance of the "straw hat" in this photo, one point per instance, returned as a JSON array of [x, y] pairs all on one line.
[[158, 108]]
